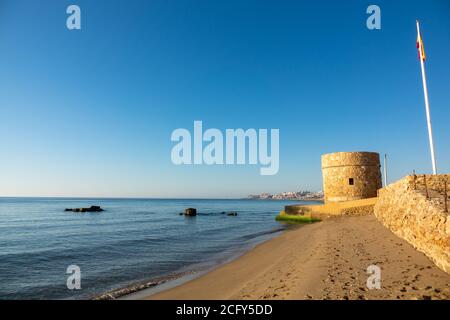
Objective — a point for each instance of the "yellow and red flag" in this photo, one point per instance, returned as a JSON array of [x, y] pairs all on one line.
[[420, 48]]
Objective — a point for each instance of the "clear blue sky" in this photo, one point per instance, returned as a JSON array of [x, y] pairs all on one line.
[[90, 112]]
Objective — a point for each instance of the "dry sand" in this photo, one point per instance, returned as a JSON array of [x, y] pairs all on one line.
[[326, 260]]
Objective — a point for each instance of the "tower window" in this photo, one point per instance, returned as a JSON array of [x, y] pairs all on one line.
[[351, 182]]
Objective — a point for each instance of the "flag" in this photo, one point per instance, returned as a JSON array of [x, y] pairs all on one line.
[[420, 48]]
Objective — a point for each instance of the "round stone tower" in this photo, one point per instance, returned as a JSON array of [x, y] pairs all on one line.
[[350, 175]]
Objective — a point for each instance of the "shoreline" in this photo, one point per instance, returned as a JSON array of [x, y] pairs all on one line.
[[325, 260], [139, 290]]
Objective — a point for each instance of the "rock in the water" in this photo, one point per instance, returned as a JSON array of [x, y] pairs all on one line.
[[191, 212], [232, 214], [95, 209], [90, 209]]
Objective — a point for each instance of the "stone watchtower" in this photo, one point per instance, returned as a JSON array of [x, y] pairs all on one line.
[[350, 175]]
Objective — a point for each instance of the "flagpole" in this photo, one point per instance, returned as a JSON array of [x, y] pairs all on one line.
[[427, 105]]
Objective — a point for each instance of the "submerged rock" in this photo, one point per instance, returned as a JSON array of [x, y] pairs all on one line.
[[90, 209]]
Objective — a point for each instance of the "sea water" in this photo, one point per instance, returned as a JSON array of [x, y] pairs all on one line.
[[132, 241]]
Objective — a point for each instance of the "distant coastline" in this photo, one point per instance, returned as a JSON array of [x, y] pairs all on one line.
[[290, 195]]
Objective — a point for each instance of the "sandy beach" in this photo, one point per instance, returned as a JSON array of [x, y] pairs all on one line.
[[325, 260]]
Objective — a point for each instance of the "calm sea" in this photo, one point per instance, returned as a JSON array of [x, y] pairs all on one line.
[[134, 240]]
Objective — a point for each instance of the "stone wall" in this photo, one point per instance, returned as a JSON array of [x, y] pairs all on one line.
[[358, 211], [432, 182], [337, 170], [404, 208]]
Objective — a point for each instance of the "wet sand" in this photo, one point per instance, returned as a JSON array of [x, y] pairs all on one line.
[[325, 260]]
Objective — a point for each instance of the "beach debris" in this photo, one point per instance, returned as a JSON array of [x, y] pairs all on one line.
[[90, 209], [190, 212]]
